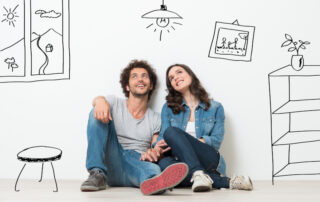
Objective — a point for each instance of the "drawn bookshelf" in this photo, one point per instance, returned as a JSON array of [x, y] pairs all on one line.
[[283, 106]]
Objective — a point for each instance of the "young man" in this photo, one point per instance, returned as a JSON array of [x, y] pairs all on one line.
[[119, 130]]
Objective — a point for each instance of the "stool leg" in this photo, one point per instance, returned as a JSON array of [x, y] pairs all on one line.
[[15, 186], [54, 178], [41, 173]]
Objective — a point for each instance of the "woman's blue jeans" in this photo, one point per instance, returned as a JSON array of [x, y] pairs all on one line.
[[121, 167], [197, 155]]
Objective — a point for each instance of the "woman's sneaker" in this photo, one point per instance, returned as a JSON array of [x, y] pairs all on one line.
[[201, 181], [241, 183], [167, 179], [95, 182]]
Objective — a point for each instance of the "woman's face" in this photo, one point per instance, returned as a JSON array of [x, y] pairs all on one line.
[[180, 79]]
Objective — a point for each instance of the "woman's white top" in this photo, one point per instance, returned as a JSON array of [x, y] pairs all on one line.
[[191, 129]]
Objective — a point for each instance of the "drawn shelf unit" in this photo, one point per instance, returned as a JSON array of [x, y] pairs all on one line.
[[285, 106]]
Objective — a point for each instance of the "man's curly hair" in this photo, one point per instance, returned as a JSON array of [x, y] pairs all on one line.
[[124, 77]]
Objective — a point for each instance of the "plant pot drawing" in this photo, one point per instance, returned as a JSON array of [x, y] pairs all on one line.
[[297, 62]]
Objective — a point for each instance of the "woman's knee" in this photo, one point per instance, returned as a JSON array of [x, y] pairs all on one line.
[[171, 133]]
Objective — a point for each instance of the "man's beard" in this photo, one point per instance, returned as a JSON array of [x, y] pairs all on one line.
[[139, 95]]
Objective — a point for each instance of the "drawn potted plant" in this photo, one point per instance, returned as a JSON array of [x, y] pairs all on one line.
[[297, 60], [11, 63]]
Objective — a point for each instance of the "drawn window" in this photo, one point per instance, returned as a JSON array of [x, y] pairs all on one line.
[[42, 52]]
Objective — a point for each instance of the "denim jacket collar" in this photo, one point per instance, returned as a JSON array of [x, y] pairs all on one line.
[[201, 104]]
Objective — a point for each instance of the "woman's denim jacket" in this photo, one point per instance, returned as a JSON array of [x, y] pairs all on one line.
[[208, 124]]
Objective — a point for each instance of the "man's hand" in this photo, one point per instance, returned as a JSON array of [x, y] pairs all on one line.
[[102, 109]]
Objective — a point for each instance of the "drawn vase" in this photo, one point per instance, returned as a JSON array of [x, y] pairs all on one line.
[[297, 62]]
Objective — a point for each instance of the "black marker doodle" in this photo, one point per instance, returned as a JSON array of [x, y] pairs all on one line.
[[285, 107], [50, 31], [49, 48], [48, 14], [163, 19], [297, 61], [12, 40], [49, 25], [41, 43], [232, 41], [10, 15], [39, 154], [11, 63]]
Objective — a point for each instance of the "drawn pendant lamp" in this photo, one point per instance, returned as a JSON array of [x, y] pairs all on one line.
[[164, 19]]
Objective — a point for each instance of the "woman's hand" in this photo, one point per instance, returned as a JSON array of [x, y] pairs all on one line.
[[161, 144], [201, 140], [153, 155]]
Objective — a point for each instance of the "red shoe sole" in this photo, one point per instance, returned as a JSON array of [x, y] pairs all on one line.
[[168, 179]]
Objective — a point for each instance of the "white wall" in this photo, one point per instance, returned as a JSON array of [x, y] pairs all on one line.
[[106, 35]]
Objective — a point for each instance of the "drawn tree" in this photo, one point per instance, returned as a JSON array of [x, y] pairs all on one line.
[[11, 63], [245, 37]]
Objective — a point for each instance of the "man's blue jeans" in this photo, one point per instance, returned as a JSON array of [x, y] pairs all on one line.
[[121, 167], [197, 155]]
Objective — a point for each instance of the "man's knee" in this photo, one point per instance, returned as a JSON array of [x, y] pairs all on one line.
[[91, 114], [149, 170], [94, 123]]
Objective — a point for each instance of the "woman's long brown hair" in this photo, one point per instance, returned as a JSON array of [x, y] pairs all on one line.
[[174, 98]]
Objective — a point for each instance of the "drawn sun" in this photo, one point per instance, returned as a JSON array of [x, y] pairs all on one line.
[[10, 15]]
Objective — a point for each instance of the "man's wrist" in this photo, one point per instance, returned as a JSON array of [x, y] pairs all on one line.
[[98, 99]]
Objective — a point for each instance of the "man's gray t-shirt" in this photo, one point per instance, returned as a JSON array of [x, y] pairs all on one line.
[[133, 133]]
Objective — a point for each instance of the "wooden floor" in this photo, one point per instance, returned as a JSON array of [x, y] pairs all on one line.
[[69, 191]]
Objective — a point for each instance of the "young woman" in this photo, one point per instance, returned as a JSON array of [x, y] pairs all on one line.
[[192, 130]]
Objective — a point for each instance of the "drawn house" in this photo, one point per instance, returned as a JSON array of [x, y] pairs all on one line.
[[49, 48]]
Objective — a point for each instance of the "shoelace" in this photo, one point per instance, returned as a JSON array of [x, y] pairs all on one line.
[[206, 177], [93, 173], [236, 181]]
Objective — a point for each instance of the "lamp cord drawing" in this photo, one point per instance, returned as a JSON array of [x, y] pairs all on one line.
[[37, 154], [163, 18]]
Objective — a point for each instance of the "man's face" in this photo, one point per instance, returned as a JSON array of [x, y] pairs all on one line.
[[139, 82]]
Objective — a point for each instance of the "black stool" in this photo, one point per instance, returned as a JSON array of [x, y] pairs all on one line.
[[39, 154]]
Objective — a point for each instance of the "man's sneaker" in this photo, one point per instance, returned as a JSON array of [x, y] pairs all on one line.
[[201, 181], [95, 182], [241, 183], [167, 179]]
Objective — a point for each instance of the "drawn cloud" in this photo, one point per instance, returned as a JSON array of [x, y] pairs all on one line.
[[48, 14]]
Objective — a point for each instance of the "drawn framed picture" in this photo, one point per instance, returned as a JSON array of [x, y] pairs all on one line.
[[232, 41]]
